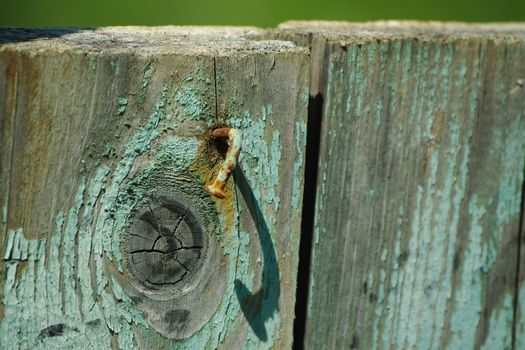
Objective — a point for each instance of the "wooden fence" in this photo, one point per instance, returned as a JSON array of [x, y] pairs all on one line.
[[377, 203]]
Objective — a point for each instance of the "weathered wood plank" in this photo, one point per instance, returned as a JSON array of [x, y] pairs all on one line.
[[419, 187], [111, 150], [273, 147]]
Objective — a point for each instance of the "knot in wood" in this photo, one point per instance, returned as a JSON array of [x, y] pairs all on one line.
[[165, 243]]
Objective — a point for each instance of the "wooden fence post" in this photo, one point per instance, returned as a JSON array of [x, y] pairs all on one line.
[[108, 238], [419, 186]]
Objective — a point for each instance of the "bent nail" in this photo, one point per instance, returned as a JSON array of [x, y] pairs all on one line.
[[234, 148]]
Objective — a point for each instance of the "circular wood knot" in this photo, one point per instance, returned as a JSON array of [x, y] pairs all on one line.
[[166, 243]]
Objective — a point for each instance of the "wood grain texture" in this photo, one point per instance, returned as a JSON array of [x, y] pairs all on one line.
[[419, 187], [97, 124]]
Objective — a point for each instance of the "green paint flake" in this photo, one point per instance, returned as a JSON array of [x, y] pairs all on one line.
[[509, 199], [9, 244], [275, 160], [93, 63], [146, 77], [122, 103], [70, 235], [190, 99], [109, 151], [148, 73], [384, 255], [114, 66], [261, 154], [520, 313], [298, 173], [267, 111], [500, 323], [305, 97], [468, 307], [181, 150]]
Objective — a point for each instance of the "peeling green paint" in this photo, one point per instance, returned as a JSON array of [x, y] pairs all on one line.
[[500, 322], [148, 72], [298, 180], [260, 160], [80, 313], [81, 316], [74, 287], [38, 285], [520, 312], [93, 63], [181, 150], [122, 103], [114, 66], [305, 97], [468, 298], [96, 221], [408, 125], [194, 106]]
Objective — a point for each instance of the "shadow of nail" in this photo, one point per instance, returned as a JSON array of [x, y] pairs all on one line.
[[260, 306]]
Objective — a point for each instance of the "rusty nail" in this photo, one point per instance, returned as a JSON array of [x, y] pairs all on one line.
[[234, 148]]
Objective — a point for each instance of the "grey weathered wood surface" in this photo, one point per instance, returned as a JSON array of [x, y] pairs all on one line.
[[419, 188], [97, 124]]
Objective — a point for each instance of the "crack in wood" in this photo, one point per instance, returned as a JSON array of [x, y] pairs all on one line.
[[164, 251]]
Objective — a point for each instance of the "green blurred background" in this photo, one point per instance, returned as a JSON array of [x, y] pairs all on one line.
[[268, 13]]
